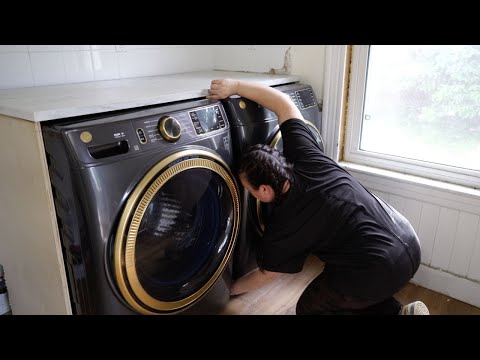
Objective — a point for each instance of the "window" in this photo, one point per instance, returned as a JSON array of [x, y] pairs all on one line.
[[416, 110]]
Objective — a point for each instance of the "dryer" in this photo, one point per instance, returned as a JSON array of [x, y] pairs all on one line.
[[148, 208], [253, 124]]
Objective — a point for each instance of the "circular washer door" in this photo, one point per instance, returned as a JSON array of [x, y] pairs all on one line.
[[263, 209], [176, 233]]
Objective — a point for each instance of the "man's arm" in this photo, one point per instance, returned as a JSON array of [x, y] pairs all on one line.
[[271, 98]]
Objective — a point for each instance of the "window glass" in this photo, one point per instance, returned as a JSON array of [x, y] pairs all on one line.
[[423, 102]]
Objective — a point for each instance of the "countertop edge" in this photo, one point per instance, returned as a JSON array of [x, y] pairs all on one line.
[[143, 93]]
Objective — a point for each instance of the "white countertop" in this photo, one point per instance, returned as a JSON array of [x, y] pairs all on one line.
[[44, 103]]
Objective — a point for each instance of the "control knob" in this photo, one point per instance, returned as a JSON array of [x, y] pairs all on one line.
[[169, 128]]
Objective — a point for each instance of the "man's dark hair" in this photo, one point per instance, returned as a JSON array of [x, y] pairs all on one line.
[[262, 164]]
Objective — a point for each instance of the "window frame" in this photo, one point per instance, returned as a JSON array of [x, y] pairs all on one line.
[[353, 127]]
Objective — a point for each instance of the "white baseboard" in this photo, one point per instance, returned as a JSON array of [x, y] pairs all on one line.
[[445, 283]]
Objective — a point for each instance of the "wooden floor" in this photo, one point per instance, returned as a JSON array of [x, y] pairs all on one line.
[[280, 297]]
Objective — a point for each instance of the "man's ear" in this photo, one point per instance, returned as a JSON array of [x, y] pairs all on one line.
[[266, 193], [268, 190], [264, 189]]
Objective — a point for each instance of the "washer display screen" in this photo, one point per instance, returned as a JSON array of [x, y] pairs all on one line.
[[306, 98], [207, 119]]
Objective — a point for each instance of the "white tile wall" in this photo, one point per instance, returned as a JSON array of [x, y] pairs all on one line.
[[76, 47], [78, 66], [105, 64], [146, 63], [13, 48], [137, 61], [37, 48], [15, 70], [38, 65], [256, 58], [48, 68], [41, 48], [102, 47]]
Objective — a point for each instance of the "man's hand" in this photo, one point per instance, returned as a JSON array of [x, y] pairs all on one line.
[[223, 88], [275, 100]]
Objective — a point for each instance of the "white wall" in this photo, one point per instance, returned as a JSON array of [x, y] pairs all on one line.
[[307, 61], [254, 58], [39, 65]]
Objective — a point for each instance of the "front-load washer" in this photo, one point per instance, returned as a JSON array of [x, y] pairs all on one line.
[[148, 208], [254, 124]]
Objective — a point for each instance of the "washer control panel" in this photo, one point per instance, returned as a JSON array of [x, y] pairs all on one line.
[[207, 119], [304, 98], [106, 138], [180, 126]]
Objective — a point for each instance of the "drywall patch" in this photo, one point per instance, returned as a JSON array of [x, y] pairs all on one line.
[[287, 64]]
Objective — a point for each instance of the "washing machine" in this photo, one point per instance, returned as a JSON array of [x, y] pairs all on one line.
[[253, 124], [148, 208]]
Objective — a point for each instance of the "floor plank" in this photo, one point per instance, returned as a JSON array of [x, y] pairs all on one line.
[[280, 297], [438, 304]]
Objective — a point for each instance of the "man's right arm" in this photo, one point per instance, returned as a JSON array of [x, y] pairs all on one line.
[[271, 98]]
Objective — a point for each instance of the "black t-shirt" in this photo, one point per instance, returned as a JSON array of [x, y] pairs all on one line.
[[326, 212]]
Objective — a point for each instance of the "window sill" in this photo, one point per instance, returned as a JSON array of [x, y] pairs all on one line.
[[410, 180]]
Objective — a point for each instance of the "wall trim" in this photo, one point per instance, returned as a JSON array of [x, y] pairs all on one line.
[[333, 99], [432, 191], [445, 283]]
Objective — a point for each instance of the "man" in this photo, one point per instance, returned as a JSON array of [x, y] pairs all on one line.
[[369, 249]]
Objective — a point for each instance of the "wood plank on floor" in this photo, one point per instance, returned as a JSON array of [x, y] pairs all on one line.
[[280, 297], [438, 304]]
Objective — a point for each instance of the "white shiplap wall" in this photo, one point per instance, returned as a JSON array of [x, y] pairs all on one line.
[[448, 226], [40, 65]]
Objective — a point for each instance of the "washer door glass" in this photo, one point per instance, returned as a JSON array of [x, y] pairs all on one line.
[[176, 235], [183, 235]]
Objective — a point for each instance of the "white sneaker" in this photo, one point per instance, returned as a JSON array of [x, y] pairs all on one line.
[[414, 308]]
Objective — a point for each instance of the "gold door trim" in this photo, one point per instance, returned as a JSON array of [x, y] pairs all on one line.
[[137, 203], [273, 144]]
